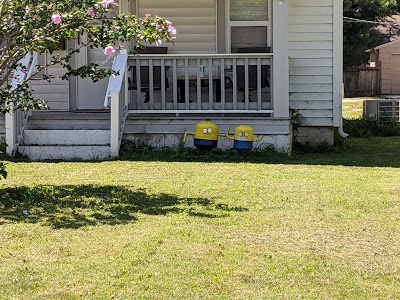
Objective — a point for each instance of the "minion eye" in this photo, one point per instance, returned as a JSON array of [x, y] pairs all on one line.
[[205, 130], [246, 134], [209, 130], [240, 133]]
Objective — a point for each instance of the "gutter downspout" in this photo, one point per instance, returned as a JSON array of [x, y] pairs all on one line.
[[338, 91]]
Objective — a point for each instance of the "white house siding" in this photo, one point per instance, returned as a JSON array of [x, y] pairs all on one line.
[[195, 21], [311, 60], [390, 80], [56, 92]]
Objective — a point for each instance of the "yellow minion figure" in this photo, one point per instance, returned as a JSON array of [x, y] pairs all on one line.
[[243, 138], [205, 135]]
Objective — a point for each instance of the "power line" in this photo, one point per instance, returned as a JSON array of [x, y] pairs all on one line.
[[354, 20]]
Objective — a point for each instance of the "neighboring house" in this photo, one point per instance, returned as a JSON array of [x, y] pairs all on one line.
[[387, 58], [208, 74]]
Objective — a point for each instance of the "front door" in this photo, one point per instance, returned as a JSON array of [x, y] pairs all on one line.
[[90, 95]]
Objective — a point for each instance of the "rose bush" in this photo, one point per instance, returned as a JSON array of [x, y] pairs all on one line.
[[39, 26], [33, 25]]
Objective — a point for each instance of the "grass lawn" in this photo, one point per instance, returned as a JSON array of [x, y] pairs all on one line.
[[353, 110], [311, 226]]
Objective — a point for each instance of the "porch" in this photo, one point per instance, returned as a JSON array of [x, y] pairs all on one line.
[[239, 75], [178, 91], [157, 97], [155, 93]]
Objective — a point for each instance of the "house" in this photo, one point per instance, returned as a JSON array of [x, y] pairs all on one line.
[[215, 71], [387, 58], [384, 58]]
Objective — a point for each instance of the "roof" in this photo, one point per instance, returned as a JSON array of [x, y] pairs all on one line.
[[383, 46]]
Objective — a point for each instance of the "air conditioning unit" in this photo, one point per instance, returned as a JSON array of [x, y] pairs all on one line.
[[382, 109]]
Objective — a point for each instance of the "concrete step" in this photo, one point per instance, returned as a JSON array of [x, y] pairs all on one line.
[[58, 152], [67, 115], [69, 120], [66, 126], [66, 137]]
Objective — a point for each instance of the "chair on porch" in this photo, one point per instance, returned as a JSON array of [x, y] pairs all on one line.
[[252, 72], [145, 74]]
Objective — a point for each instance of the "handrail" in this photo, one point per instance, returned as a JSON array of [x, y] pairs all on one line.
[[117, 99], [16, 120]]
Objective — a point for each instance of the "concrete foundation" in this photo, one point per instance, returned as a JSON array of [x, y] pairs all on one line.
[[281, 143], [315, 136]]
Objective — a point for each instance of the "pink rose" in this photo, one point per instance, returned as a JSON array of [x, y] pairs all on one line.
[[172, 30], [106, 3], [91, 12], [56, 19], [109, 51]]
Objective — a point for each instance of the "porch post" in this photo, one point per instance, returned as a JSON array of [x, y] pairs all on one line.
[[115, 124], [280, 62], [11, 138]]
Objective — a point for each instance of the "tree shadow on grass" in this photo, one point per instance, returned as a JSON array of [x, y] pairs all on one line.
[[75, 206]]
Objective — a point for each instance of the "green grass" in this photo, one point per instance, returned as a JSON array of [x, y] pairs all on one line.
[[353, 110], [220, 226]]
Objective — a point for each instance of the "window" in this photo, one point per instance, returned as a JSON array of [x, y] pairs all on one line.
[[248, 24], [249, 10]]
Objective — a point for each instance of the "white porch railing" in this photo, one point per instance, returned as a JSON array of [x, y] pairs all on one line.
[[117, 99], [16, 119], [201, 83]]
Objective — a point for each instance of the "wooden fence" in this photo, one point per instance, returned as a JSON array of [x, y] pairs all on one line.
[[361, 82]]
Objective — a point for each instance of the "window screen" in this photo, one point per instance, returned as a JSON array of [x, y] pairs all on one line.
[[249, 10], [248, 37]]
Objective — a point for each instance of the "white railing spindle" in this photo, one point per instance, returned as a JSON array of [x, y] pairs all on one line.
[[259, 82], [163, 87], [151, 84], [198, 84], [138, 82], [175, 84], [234, 83], [186, 84], [246, 83], [210, 84]]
